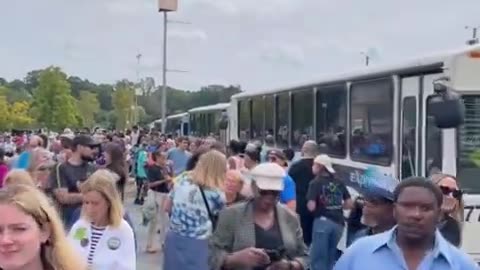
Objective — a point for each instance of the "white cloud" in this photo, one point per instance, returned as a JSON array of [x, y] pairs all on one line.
[[188, 34], [255, 43], [283, 53], [130, 7]]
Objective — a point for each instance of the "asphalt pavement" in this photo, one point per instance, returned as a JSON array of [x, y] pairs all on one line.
[[145, 261]]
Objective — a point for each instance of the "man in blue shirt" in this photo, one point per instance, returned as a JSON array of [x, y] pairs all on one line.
[[288, 195], [415, 243], [179, 156]]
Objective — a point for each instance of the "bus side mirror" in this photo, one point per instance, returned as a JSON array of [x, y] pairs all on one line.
[[446, 107]]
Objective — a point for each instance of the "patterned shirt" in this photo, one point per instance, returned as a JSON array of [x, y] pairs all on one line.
[[189, 216]]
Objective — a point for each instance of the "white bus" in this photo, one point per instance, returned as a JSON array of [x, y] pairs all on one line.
[[208, 121], [177, 124], [383, 118]]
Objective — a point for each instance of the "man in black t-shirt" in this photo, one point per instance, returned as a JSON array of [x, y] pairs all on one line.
[[327, 197], [301, 173], [66, 177]]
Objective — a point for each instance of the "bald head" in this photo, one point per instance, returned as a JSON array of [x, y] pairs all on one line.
[[309, 149]]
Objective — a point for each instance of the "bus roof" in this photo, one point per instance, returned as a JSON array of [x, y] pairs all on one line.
[[215, 107], [178, 115], [433, 61]]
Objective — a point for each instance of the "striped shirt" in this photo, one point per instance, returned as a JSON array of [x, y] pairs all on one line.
[[96, 235]]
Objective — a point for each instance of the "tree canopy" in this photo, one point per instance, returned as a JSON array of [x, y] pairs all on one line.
[[49, 98]]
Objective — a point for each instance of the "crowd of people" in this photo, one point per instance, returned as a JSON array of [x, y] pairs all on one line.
[[207, 205]]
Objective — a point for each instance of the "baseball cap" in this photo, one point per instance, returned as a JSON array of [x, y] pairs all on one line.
[[84, 140], [268, 176], [376, 185], [326, 161]]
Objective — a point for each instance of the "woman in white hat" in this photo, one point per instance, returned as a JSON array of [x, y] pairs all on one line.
[[260, 233], [326, 198]]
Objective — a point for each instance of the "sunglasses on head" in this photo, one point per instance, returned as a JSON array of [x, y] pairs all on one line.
[[457, 194]]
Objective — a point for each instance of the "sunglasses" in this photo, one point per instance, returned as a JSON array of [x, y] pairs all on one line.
[[269, 192], [455, 193]]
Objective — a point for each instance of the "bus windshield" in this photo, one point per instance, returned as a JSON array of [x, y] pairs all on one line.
[[468, 162]]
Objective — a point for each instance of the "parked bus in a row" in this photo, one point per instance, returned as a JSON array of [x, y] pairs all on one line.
[[400, 120]]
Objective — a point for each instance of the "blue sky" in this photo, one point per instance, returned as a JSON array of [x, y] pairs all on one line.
[[259, 44]]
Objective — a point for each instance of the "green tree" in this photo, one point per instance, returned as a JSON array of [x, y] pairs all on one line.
[[54, 105], [79, 85], [20, 115], [123, 104], [88, 107], [104, 94], [15, 95], [4, 113], [31, 80]]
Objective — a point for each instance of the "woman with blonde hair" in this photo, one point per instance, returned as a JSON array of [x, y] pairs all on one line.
[[452, 208], [102, 237], [194, 203], [233, 187], [19, 177], [40, 166], [33, 237]]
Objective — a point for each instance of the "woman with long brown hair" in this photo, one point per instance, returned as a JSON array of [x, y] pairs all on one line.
[[117, 164]]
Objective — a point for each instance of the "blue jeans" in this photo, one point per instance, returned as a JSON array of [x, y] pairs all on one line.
[[325, 237]]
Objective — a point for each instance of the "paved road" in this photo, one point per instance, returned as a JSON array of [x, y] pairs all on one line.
[[144, 261]]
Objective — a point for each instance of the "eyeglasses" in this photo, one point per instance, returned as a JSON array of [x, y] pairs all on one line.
[[448, 191]]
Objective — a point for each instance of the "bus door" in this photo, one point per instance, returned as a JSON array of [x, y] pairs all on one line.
[[409, 127]]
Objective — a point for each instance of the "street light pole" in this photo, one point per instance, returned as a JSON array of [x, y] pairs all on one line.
[[135, 113], [164, 74], [474, 39], [367, 58]]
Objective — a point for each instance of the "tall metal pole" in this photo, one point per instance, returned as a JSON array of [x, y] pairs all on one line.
[[135, 113], [164, 74]]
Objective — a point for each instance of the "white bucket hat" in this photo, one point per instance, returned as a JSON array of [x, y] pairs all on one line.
[[326, 161], [268, 176]]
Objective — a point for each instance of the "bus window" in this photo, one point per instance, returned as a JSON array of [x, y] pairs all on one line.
[[258, 110], [244, 120], [372, 121], [210, 127], [468, 171], [433, 144], [409, 137], [282, 113], [302, 118], [269, 110], [332, 119]]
